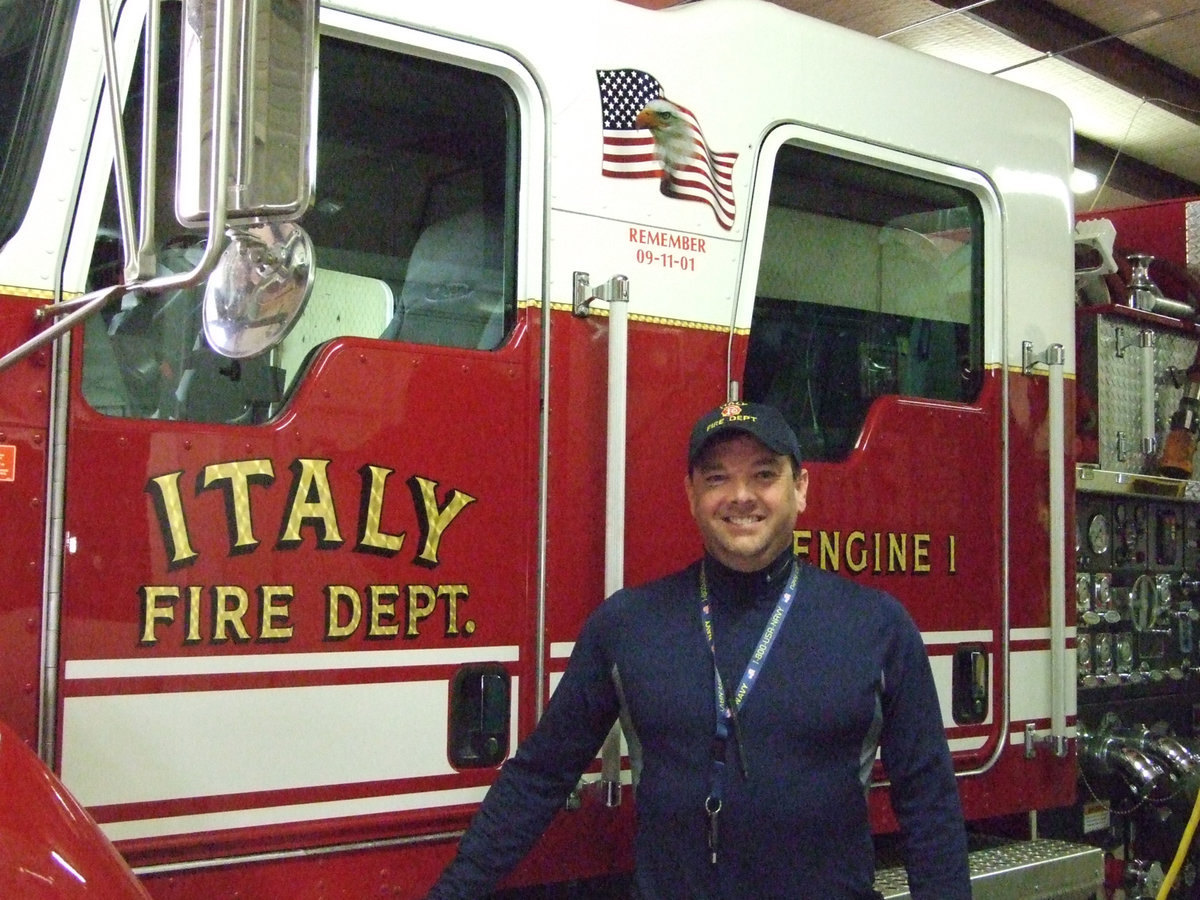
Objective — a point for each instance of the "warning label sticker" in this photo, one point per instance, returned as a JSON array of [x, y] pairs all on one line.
[[8, 462]]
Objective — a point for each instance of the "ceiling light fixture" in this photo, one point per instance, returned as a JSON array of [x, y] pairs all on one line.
[[1083, 182]]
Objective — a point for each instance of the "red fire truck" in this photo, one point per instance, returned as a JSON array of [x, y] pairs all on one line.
[[330, 406]]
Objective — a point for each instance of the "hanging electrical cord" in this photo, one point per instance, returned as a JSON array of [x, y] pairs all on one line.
[[1185, 843], [1052, 54], [1117, 154], [1124, 140]]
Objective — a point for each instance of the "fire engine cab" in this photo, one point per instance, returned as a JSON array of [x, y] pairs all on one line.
[[330, 406]]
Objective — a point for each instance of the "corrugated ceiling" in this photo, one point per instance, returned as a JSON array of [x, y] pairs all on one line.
[[1128, 69]]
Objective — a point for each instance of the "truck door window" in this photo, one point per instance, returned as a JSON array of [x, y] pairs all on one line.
[[870, 284], [413, 226]]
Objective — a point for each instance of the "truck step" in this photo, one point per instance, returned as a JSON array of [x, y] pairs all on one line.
[[1021, 870]]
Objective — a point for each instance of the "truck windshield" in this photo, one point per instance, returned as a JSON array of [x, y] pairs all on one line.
[[34, 35]]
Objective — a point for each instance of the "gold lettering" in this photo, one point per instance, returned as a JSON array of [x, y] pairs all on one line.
[[230, 604], [152, 613], [227, 616], [800, 545], [434, 520], [273, 605], [920, 553], [195, 596], [453, 594], [418, 610], [171, 522], [371, 537], [878, 552], [831, 549], [856, 563], [236, 478], [335, 595], [311, 502], [381, 609]]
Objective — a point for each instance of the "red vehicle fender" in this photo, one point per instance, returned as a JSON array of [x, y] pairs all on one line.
[[50, 848]]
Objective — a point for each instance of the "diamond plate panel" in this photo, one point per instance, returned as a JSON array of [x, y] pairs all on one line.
[[1023, 870], [1119, 384]]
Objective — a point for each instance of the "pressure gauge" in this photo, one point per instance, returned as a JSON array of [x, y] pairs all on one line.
[[1098, 533]]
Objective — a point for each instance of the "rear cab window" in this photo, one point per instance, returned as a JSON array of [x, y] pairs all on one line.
[[870, 283]]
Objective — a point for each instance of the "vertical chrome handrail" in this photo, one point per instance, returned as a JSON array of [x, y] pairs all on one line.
[[1055, 359]]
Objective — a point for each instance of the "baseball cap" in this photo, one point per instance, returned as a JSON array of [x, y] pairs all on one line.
[[759, 420]]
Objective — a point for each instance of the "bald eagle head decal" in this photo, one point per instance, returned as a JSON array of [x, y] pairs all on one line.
[[647, 135]]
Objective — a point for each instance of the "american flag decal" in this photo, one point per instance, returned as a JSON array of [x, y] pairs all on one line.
[[648, 136]]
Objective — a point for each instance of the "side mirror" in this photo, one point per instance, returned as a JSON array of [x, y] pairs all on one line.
[[271, 135]]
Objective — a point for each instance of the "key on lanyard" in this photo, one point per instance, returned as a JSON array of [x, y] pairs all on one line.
[[712, 806]]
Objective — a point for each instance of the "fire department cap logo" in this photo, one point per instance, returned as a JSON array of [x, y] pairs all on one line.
[[758, 420]]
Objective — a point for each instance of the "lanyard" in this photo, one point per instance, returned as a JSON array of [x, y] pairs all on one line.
[[727, 708]]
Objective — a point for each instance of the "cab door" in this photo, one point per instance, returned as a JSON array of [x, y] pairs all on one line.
[[296, 603], [864, 296]]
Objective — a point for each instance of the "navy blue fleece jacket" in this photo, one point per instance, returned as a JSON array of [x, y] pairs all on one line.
[[847, 671]]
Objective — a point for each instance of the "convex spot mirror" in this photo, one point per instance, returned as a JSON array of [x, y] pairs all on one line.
[[271, 133], [258, 289]]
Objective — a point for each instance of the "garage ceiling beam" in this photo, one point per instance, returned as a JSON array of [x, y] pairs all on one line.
[[1049, 29], [1129, 175]]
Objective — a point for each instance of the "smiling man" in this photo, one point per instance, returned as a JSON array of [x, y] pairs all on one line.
[[745, 485], [754, 691]]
